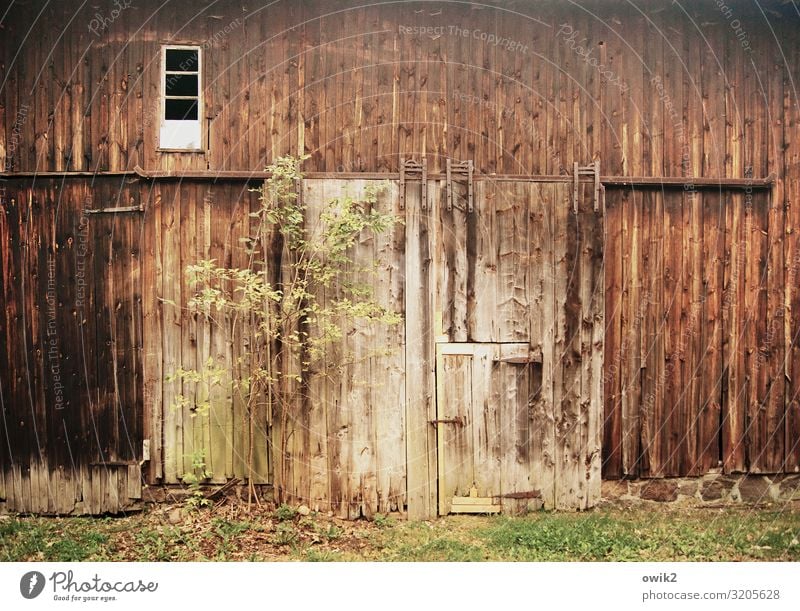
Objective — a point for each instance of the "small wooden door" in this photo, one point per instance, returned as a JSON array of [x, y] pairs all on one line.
[[485, 398]]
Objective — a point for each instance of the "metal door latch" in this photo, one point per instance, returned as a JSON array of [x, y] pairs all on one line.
[[459, 421]]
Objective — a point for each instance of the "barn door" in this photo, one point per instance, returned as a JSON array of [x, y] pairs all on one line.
[[518, 330], [112, 314]]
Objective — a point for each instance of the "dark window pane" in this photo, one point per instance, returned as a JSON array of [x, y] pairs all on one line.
[[183, 60], [177, 110], [182, 84]]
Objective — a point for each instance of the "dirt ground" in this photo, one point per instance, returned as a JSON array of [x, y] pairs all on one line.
[[229, 531]]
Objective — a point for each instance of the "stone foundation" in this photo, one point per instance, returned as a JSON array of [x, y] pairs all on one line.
[[711, 489]]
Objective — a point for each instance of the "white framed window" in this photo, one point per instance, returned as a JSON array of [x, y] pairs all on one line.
[[181, 98]]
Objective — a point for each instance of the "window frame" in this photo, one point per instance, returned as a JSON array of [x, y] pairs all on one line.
[[163, 75]]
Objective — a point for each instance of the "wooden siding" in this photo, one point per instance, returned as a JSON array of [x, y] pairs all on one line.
[[186, 222], [358, 89], [697, 337], [702, 341], [71, 369]]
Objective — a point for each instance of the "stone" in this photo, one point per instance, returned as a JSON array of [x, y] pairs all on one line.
[[716, 487], [688, 488], [662, 491], [304, 510], [711, 491], [613, 489], [754, 489], [789, 488], [175, 516]]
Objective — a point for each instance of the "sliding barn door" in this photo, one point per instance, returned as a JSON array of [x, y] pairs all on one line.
[[518, 331]]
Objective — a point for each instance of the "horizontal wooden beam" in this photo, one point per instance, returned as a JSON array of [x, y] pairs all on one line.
[[667, 182], [687, 183]]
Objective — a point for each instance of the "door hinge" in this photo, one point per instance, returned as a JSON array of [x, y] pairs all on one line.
[[464, 171], [414, 170]]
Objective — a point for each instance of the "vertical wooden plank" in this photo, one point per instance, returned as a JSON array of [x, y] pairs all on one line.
[[542, 426], [457, 92], [486, 420], [171, 312], [791, 169], [713, 238], [570, 489], [218, 202], [456, 433], [294, 476], [734, 387], [710, 365], [365, 378], [190, 327], [513, 308], [388, 391], [138, 105], [60, 76], [313, 88], [101, 416], [152, 324], [612, 375], [482, 272], [693, 263], [674, 338], [235, 257], [594, 244], [515, 469], [776, 411], [452, 263], [420, 407], [762, 426], [328, 104], [318, 496], [630, 361], [686, 456], [134, 482]]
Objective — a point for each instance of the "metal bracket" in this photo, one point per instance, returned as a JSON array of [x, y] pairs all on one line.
[[592, 170], [114, 210], [414, 170], [459, 421], [464, 170], [298, 189]]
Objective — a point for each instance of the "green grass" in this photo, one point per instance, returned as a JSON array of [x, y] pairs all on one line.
[[652, 534], [54, 540]]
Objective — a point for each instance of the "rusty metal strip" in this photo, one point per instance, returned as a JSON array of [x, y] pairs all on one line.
[[575, 172], [424, 183], [449, 184], [470, 205], [115, 210], [596, 185], [402, 185]]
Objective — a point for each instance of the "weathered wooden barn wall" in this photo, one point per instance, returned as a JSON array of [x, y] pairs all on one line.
[[186, 222], [358, 89], [108, 320], [70, 369], [702, 352], [701, 336]]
